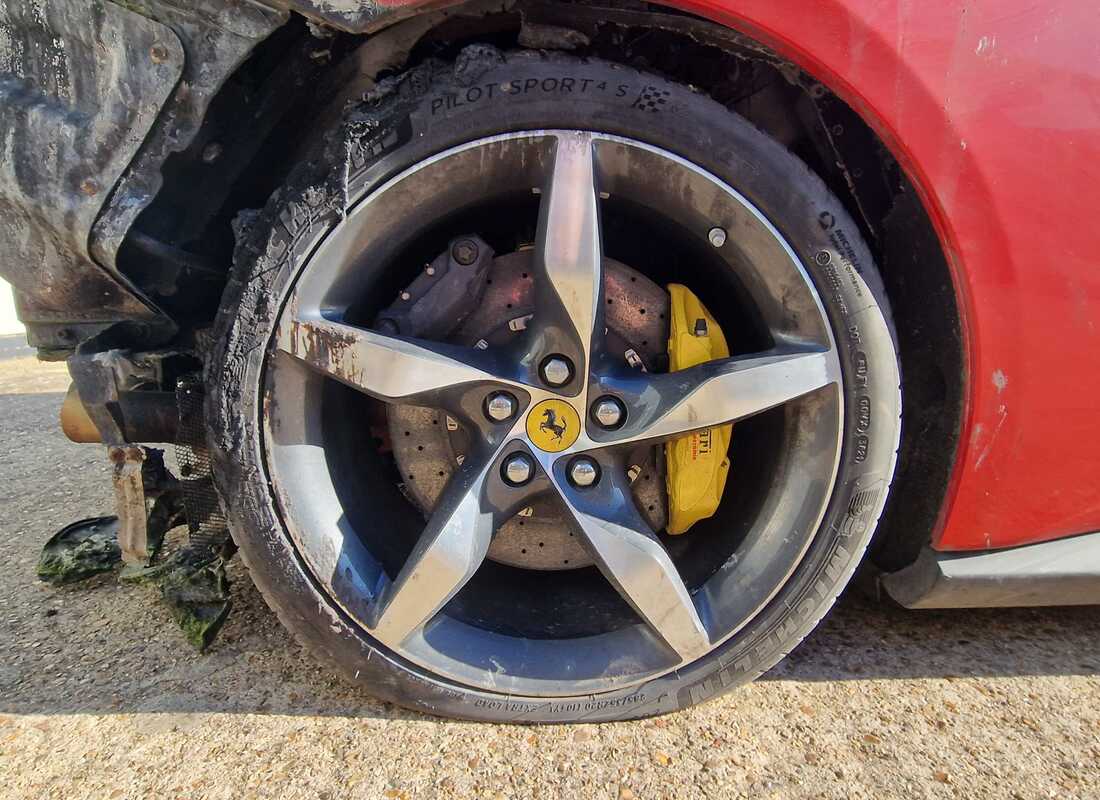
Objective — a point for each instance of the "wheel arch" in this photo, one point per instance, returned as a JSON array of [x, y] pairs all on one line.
[[795, 98]]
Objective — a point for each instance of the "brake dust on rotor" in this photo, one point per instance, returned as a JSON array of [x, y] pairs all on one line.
[[487, 304], [478, 303]]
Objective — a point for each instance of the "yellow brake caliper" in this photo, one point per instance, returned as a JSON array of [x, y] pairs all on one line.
[[697, 463]]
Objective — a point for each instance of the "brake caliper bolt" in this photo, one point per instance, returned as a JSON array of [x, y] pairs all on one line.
[[583, 471], [717, 236], [556, 370], [500, 406], [465, 252], [517, 469], [608, 412]]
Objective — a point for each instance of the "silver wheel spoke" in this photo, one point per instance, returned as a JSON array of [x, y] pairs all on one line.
[[568, 256], [670, 404], [449, 551], [633, 559], [386, 367]]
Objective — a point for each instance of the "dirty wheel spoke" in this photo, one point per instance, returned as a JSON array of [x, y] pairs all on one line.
[[386, 367], [668, 405], [447, 555], [633, 559]]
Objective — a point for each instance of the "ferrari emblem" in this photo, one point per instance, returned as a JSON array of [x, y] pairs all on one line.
[[553, 425]]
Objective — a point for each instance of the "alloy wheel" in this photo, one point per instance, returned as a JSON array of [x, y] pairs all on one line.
[[554, 414]]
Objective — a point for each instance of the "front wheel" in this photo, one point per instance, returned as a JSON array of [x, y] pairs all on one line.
[[449, 392]]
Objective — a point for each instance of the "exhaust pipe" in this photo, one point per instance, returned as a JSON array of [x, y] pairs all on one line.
[[143, 417]]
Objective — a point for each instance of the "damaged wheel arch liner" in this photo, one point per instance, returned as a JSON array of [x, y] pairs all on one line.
[[110, 90], [87, 87]]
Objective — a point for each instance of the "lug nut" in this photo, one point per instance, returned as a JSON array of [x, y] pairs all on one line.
[[500, 407], [584, 471], [517, 469], [608, 412], [716, 236], [556, 370]]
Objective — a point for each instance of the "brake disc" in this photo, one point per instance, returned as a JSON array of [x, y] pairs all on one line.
[[427, 445]]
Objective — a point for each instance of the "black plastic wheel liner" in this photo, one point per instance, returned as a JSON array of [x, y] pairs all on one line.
[[87, 84]]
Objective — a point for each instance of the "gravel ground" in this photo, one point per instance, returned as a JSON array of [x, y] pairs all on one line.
[[100, 696]]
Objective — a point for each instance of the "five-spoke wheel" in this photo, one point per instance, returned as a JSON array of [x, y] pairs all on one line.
[[555, 414]]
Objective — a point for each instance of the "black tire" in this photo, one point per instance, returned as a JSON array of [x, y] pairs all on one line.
[[437, 106]]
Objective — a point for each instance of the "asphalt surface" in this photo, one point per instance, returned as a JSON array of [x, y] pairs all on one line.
[[14, 346], [100, 696]]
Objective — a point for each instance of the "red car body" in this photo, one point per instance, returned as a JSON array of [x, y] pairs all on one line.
[[993, 110]]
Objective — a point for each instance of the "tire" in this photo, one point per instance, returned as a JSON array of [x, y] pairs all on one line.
[[436, 106]]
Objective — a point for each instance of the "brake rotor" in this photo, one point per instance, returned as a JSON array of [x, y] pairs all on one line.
[[428, 445]]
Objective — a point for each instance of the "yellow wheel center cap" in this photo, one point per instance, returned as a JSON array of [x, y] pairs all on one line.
[[553, 425]]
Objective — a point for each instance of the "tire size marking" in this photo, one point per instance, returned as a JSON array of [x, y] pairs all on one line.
[[835, 280], [848, 260], [522, 86], [554, 708]]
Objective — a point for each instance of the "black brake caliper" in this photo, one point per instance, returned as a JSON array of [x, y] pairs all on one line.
[[444, 294]]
